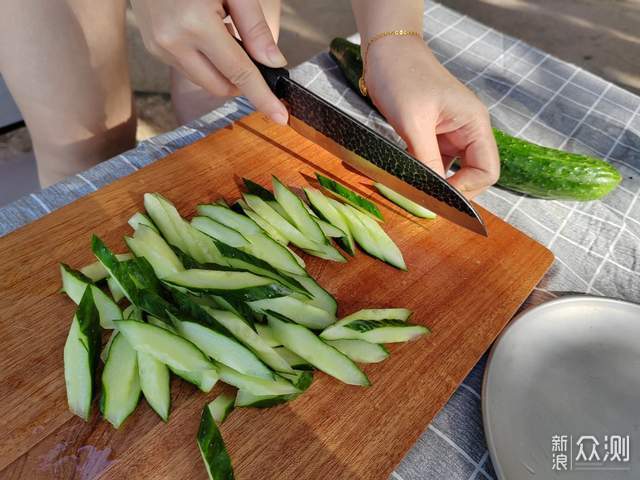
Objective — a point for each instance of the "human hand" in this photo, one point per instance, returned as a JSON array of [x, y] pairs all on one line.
[[437, 116], [191, 35]]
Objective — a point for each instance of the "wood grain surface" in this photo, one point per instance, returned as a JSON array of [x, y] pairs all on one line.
[[463, 286]]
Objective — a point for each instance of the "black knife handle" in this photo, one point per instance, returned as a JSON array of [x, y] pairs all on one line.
[[271, 75]]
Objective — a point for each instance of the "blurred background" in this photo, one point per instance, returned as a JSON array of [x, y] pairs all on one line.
[[602, 36]]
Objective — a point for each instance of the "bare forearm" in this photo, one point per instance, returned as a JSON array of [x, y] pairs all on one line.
[[375, 16]]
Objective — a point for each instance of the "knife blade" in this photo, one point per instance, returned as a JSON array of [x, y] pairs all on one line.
[[370, 153]]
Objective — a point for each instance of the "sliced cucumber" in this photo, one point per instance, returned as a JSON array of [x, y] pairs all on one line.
[[141, 219], [205, 380], [256, 385], [96, 272], [231, 219], [351, 197], [243, 285], [240, 259], [329, 230], [221, 407], [379, 314], [307, 345], [321, 298], [300, 312], [150, 245], [358, 230], [294, 360], [267, 335], [132, 313], [155, 383], [105, 350], [403, 202], [327, 252], [219, 231], [81, 352], [378, 330], [224, 349], [167, 347], [279, 256], [324, 208], [114, 267], [114, 289], [246, 335], [74, 284], [390, 251], [120, 382], [297, 212], [287, 230], [360, 351], [264, 225], [212, 448], [301, 380], [178, 231]]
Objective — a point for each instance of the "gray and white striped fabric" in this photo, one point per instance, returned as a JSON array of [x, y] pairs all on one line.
[[530, 94]]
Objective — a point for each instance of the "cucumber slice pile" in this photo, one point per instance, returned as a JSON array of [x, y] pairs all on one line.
[[222, 298]]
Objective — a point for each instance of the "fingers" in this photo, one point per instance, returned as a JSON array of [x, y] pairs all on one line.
[[197, 68], [422, 143], [235, 65], [255, 33], [480, 163]]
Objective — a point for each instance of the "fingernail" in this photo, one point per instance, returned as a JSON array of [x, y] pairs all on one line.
[[275, 56], [279, 117]]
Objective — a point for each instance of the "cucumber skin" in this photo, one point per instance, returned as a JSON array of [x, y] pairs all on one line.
[[525, 167], [212, 447]]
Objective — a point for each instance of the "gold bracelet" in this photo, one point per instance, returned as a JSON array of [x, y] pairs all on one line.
[[394, 33]]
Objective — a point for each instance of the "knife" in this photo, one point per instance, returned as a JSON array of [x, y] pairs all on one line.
[[370, 153]]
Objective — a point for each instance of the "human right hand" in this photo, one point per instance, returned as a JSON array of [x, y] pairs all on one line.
[[191, 35]]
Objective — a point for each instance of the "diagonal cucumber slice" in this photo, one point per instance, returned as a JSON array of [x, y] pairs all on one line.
[[360, 351], [212, 448], [221, 407], [403, 202], [255, 385], [234, 220], [155, 383], [352, 198], [297, 310], [221, 232], [325, 209]]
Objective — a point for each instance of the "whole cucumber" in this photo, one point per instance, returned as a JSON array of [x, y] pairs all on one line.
[[525, 167]]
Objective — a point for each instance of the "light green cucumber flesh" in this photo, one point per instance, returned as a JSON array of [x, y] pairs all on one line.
[[320, 297], [265, 332], [375, 331], [264, 225], [96, 272], [297, 310], [139, 219], [116, 292], [403, 202], [279, 256], [221, 406], [120, 382], [217, 230], [150, 245], [234, 220], [296, 361], [360, 351], [247, 336], [256, 385], [330, 214], [307, 345], [297, 212], [155, 383], [378, 314], [387, 247], [224, 349], [359, 231]]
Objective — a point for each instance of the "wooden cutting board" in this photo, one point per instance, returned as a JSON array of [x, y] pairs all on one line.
[[463, 286]]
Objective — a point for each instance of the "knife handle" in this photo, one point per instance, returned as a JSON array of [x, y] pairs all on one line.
[[271, 75]]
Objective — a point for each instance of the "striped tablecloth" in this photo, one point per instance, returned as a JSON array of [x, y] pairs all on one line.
[[531, 95]]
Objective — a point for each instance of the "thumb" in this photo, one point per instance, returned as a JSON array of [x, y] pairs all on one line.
[[425, 148], [255, 33]]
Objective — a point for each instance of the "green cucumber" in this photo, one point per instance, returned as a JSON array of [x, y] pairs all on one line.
[[301, 380], [149, 244], [81, 351], [296, 361], [328, 212], [320, 297], [105, 350], [219, 231], [375, 326], [155, 383], [390, 253], [360, 351], [307, 345], [211, 445], [265, 332], [276, 254], [360, 232], [297, 212], [221, 406], [96, 272], [223, 349], [248, 336], [231, 219], [256, 385], [403, 202], [525, 167], [242, 285], [167, 347], [141, 219], [297, 310], [329, 230], [349, 196], [264, 225], [74, 284], [114, 289], [120, 382], [287, 230]]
